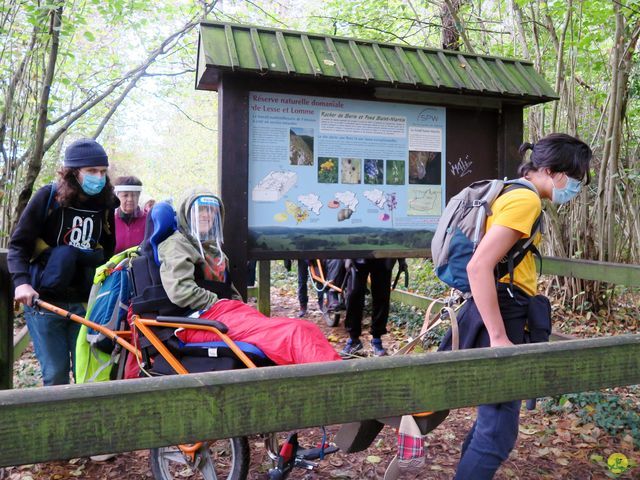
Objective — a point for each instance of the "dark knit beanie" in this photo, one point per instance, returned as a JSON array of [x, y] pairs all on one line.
[[85, 152]]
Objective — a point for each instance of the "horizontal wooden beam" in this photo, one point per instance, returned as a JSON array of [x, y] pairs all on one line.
[[42, 424], [615, 273], [414, 300]]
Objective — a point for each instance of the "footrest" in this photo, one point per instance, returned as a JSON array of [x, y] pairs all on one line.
[[314, 453]]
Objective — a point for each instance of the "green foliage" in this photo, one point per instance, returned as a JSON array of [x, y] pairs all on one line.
[[612, 413], [411, 319], [281, 278], [386, 21], [423, 280]]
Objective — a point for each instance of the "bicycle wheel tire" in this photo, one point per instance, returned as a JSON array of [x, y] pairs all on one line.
[[331, 318], [226, 459]]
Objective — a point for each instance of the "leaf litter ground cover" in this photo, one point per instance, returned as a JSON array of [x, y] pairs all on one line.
[[571, 437]]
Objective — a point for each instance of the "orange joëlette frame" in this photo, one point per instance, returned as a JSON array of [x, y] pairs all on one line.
[[318, 276], [143, 325]]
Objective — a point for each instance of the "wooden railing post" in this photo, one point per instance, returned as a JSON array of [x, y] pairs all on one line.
[[264, 284], [6, 324]]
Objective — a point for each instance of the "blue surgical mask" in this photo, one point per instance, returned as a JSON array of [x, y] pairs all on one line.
[[566, 194], [93, 184]]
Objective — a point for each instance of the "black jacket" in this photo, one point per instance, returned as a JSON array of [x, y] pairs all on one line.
[[87, 226]]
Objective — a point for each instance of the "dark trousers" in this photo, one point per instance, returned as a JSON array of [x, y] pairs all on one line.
[[303, 278], [380, 272], [495, 430], [335, 271]]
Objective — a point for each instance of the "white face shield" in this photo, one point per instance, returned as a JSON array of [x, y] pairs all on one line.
[[129, 196], [205, 222]]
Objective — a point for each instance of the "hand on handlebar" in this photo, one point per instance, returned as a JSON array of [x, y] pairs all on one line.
[[25, 294]]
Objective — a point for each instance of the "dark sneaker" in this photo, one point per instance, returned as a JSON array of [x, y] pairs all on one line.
[[353, 347], [302, 312], [378, 349]]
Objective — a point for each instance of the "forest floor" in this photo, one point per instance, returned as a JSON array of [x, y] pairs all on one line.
[[556, 441]]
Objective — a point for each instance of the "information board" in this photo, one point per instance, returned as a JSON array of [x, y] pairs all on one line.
[[336, 174]]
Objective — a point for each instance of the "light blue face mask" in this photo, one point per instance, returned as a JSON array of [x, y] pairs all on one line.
[[566, 194], [93, 184]]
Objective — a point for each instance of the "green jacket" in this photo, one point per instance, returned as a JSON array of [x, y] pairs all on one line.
[[180, 256]]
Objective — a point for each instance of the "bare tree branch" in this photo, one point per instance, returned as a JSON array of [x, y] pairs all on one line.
[[91, 102]]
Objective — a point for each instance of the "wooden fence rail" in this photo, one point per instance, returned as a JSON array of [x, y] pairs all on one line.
[[619, 274], [42, 424]]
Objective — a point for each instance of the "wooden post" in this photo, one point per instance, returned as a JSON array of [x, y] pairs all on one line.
[[264, 284], [6, 324], [233, 148], [510, 136]]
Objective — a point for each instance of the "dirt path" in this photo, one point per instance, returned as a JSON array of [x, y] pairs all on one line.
[[549, 447]]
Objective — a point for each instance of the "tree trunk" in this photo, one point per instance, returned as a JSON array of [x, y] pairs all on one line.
[[35, 162], [452, 27], [560, 74]]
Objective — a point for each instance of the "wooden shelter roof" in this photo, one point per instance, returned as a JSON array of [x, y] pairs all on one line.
[[273, 53]]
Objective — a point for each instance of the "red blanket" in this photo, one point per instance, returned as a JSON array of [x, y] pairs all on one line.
[[284, 340]]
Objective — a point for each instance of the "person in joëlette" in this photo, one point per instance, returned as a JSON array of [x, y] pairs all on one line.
[[64, 233], [193, 270]]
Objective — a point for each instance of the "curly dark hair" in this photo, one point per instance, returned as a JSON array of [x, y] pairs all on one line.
[[69, 191]]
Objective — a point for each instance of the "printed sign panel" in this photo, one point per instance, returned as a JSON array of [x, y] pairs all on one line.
[[338, 174]]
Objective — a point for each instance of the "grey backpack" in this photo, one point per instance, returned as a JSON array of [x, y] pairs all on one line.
[[462, 226]]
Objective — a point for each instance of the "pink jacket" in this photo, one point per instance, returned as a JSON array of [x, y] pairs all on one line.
[[129, 235]]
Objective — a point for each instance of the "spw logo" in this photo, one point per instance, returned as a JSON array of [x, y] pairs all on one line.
[[428, 115], [617, 463]]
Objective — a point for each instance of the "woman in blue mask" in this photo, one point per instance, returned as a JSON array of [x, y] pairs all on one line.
[[501, 307], [65, 231]]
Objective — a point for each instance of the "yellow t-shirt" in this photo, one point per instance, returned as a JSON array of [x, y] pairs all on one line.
[[518, 210]]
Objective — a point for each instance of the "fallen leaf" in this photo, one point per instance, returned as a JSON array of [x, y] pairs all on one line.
[[528, 429], [342, 474], [374, 459], [564, 434], [628, 439]]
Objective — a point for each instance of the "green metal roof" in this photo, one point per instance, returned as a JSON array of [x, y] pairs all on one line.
[[271, 52]]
